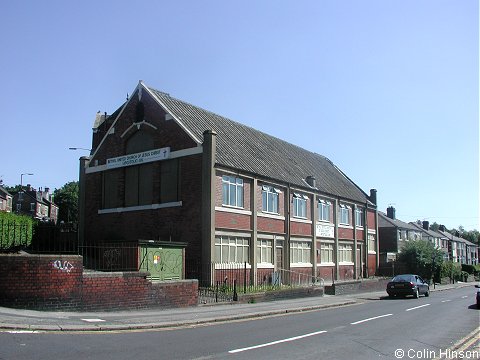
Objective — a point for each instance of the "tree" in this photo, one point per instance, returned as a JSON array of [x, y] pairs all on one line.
[[434, 226], [67, 200], [422, 258]]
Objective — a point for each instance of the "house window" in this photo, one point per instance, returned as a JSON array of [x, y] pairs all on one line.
[[300, 205], [264, 251], [232, 191], [231, 249], [326, 253], [270, 199], [359, 217], [19, 207], [300, 252], [324, 210], [345, 253], [32, 207], [345, 214]]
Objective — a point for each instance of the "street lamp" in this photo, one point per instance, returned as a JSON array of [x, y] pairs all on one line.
[[21, 179]]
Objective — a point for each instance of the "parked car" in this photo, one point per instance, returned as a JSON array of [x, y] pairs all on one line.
[[478, 296], [408, 284]]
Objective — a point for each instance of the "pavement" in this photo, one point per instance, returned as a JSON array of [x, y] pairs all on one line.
[[18, 320]]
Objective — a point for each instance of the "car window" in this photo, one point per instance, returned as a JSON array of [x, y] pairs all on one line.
[[402, 278]]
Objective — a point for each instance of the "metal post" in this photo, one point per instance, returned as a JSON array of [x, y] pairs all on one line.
[[245, 278], [235, 295]]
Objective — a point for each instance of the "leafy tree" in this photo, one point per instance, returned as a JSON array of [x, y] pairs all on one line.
[[422, 258], [451, 270], [67, 200], [434, 226], [13, 189]]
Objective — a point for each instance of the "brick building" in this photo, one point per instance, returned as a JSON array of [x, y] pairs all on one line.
[[37, 204], [164, 170]]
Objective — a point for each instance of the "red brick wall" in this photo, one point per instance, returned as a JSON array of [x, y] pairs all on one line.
[[270, 225], [325, 272], [345, 233], [57, 282], [371, 219], [297, 228], [227, 220], [372, 261]]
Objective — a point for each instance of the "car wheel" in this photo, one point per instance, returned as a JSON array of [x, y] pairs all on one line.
[[416, 295], [427, 293]]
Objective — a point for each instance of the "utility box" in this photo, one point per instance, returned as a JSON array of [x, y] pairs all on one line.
[[163, 260]]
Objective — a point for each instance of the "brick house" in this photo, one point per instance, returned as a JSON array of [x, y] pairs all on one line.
[[5, 200], [161, 169], [36, 203]]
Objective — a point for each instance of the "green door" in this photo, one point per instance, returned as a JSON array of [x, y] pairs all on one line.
[[162, 263]]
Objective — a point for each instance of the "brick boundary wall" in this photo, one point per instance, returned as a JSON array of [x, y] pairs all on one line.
[[355, 286], [58, 282]]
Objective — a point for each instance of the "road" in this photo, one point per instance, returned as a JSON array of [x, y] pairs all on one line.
[[379, 328]]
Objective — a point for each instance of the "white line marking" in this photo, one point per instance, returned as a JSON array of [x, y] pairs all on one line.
[[417, 307], [372, 318], [446, 300], [276, 342], [22, 332], [93, 320], [464, 297]]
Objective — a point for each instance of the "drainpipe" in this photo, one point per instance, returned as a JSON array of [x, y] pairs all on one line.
[[208, 197], [355, 262], [287, 233], [254, 221], [335, 219], [314, 212]]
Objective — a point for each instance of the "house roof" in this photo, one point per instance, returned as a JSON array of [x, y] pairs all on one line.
[[4, 192], [252, 151], [385, 221], [428, 232]]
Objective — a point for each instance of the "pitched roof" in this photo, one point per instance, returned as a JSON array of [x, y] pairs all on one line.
[[244, 148], [385, 221]]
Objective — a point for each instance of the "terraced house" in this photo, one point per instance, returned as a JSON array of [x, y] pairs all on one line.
[[165, 171]]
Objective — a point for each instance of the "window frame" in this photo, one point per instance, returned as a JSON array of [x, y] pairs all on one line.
[[232, 243], [324, 207], [359, 216], [327, 248], [345, 254], [300, 250], [300, 211], [229, 181], [265, 246], [270, 199], [344, 211]]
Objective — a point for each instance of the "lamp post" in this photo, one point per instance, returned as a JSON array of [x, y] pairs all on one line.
[[21, 179], [79, 148]]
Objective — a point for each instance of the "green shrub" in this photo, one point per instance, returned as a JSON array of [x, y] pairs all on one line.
[[15, 230], [469, 268]]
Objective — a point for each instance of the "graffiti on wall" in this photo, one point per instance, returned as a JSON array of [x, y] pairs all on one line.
[[62, 265]]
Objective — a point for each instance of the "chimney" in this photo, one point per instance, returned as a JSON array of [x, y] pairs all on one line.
[[391, 212], [373, 196], [29, 187], [311, 181], [426, 225], [441, 228]]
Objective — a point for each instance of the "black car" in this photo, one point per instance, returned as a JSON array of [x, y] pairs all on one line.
[[407, 284]]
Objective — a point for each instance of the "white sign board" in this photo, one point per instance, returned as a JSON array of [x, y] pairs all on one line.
[[138, 158], [326, 231]]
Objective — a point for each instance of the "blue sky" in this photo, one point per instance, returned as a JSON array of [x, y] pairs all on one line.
[[387, 90]]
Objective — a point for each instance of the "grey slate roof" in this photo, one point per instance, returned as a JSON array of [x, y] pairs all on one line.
[[385, 221], [252, 151]]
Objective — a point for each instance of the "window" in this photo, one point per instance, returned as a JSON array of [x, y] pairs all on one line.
[[300, 252], [19, 207], [264, 251], [231, 249], [33, 207], [232, 191], [345, 253], [324, 210], [345, 214], [326, 253], [371, 243], [139, 178], [169, 171], [358, 217], [270, 199], [300, 205]]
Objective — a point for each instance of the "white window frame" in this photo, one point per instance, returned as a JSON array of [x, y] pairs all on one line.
[[326, 253], [359, 217], [300, 252], [324, 210], [232, 249], [344, 218], [270, 199], [265, 251], [345, 254], [300, 206], [232, 191]]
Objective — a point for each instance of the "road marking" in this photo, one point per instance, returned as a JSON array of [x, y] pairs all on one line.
[[446, 300], [417, 307], [22, 332], [464, 297], [93, 320], [372, 318], [276, 342]]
